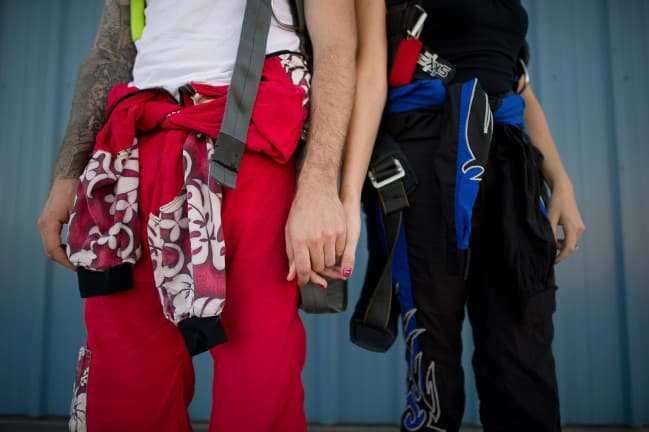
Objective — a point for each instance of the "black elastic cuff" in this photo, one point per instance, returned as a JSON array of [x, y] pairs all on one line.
[[104, 282], [201, 334]]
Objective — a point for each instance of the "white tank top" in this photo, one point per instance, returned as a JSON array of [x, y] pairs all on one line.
[[197, 40]]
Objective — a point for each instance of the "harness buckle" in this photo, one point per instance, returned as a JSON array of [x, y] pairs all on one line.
[[386, 172], [418, 27]]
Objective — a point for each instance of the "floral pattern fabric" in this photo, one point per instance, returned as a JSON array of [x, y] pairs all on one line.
[[184, 231], [77, 422]]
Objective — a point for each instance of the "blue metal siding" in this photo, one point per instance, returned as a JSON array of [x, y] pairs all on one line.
[[590, 62]]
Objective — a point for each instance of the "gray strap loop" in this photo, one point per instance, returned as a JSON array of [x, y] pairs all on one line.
[[251, 53]]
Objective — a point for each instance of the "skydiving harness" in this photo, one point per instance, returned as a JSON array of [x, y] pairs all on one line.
[[390, 179]]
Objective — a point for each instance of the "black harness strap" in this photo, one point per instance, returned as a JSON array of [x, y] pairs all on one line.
[[231, 142], [374, 323]]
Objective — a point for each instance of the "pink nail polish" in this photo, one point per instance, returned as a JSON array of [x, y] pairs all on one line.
[[347, 272], [322, 285]]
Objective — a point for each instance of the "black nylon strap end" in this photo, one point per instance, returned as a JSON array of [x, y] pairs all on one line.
[[393, 197], [224, 163], [222, 174]]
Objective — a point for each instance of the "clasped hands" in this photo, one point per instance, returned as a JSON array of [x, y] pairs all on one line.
[[321, 235]]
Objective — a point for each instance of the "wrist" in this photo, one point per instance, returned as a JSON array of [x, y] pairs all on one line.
[[349, 195], [559, 182], [319, 182]]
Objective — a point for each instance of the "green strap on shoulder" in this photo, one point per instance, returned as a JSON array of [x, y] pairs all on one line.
[[137, 18]]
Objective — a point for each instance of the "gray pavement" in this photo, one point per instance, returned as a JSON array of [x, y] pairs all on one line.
[[26, 424]]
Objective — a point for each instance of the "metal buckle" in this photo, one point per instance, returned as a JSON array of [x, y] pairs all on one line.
[[378, 184], [416, 29]]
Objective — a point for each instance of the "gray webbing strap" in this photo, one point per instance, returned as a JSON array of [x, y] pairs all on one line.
[[231, 142]]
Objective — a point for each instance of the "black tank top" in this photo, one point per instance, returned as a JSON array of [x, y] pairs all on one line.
[[481, 38]]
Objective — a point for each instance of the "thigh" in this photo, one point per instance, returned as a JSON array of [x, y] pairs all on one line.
[[513, 360], [432, 292], [137, 370], [257, 376]]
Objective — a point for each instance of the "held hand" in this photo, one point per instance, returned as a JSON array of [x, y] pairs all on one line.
[[563, 211], [353, 220], [315, 232], [54, 215], [342, 270]]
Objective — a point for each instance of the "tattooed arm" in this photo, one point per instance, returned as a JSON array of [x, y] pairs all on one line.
[[109, 61]]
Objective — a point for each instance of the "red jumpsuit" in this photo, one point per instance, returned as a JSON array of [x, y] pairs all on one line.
[[135, 372]]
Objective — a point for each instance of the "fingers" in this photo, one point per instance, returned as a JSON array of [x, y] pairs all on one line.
[[291, 258], [316, 253], [51, 238], [349, 255], [318, 280], [302, 265], [332, 273], [291, 271], [568, 245], [341, 239], [54, 215], [330, 253]]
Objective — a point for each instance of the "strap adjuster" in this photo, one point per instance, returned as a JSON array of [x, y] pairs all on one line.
[[222, 174], [381, 176]]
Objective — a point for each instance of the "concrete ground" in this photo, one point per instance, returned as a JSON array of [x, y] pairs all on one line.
[[25, 424]]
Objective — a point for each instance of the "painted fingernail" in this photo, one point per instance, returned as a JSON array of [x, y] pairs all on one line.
[[322, 285], [347, 272]]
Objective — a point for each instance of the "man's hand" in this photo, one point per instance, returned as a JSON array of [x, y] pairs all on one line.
[[55, 214], [315, 232], [562, 210]]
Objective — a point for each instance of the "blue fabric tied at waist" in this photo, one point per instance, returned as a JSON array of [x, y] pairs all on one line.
[[428, 93]]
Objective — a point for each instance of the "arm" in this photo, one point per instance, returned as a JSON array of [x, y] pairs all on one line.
[[315, 230], [108, 62], [371, 92], [562, 209]]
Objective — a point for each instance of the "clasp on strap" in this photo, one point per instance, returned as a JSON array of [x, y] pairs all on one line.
[[416, 29], [386, 172]]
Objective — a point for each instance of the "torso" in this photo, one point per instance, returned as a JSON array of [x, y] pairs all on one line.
[[481, 38], [196, 40]]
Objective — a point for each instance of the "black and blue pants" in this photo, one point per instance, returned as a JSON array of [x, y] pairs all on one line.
[[496, 262]]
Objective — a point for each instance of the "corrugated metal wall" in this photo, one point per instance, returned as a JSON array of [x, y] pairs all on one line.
[[590, 65]]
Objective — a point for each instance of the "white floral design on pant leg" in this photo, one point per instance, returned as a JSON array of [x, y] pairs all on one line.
[[77, 422]]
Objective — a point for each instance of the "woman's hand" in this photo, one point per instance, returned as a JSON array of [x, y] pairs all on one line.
[[352, 208], [563, 210]]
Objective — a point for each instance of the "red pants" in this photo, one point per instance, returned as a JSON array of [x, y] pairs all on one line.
[[141, 377]]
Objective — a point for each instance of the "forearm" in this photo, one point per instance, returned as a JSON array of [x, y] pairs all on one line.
[[541, 137], [368, 107], [371, 92], [332, 92], [109, 61]]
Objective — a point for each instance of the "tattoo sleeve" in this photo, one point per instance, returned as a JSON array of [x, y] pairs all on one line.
[[109, 61]]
